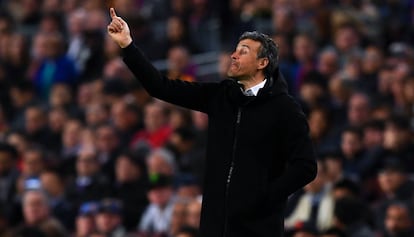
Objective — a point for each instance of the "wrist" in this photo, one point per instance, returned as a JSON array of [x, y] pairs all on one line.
[[125, 43]]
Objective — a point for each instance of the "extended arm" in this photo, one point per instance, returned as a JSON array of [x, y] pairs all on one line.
[[190, 95]]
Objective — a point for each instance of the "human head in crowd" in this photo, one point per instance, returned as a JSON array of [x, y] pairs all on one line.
[[8, 156], [85, 220], [21, 93], [351, 142], [108, 218], [372, 60], [359, 109], [339, 89], [345, 188], [125, 116], [96, 114], [18, 140], [71, 134], [57, 118], [304, 48], [60, 95], [161, 161], [160, 189], [373, 134], [87, 164], [348, 212], [180, 117], [35, 205], [107, 140], [188, 187], [129, 168], [397, 134], [346, 37], [313, 89], [193, 211], [398, 220], [35, 120], [334, 166], [319, 121], [155, 116], [390, 178], [178, 216], [182, 140], [52, 183], [328, 62], [34, 162]]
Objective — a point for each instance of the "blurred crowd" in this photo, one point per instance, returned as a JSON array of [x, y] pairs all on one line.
[[85, 151]]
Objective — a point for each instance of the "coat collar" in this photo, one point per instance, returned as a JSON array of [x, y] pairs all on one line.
[[275, 85]]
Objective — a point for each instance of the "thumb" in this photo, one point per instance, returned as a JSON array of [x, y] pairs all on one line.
[[112, 12]]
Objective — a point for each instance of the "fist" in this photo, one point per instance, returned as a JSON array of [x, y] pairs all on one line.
[[118, 30]]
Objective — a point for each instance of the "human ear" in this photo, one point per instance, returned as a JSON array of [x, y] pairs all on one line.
[[263, 62]]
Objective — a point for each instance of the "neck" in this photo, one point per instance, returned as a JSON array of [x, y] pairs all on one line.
[[251, 81]]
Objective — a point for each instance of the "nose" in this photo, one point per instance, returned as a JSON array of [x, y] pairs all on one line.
[[233, 56]]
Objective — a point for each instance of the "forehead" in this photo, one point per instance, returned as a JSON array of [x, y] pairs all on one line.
[[249, 43]]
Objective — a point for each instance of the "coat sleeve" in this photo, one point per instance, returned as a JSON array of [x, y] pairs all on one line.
[[301, 165], [190, 95]]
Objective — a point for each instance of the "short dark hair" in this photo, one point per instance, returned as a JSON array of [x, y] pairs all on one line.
[[268, 49]]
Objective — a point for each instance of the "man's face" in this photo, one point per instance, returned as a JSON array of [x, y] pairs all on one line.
[[244, 62], [397, 220]]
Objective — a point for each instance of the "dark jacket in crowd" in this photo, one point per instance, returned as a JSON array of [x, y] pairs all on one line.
[[258, 153]]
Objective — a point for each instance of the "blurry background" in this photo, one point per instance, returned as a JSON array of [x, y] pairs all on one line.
[[84, 151]]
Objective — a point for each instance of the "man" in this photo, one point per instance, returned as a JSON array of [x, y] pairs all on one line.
[[258, 152]]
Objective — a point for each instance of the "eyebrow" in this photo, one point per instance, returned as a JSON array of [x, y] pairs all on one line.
[[244, 45]]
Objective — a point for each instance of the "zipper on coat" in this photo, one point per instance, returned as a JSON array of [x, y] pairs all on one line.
[[236, 129]]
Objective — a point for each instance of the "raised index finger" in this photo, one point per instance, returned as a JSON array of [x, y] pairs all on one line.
[[112, 12]]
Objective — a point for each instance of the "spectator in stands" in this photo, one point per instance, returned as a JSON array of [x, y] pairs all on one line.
[[355, 162], [55, 67], [34, 162], [161, 161], [156, 130], [130, 187], [54, 187], [178, 217], [395, 186], [359, 109], [37, 213], [22, 95], [345, 188], [193, 211], [304, 50], [89, 183], [127, 120], [348, 217], [108, 147], [179, 64], [8, 178], [398, 221], [373, 134], [157, 216], [315, 207], [108, 219], [85, 220], [35, 125], [57, 117], [397, 145]]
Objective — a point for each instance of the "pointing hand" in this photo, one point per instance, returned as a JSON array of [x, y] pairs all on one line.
[[118, 30]]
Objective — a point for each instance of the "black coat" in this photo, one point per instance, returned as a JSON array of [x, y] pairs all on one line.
[[258, 151]]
